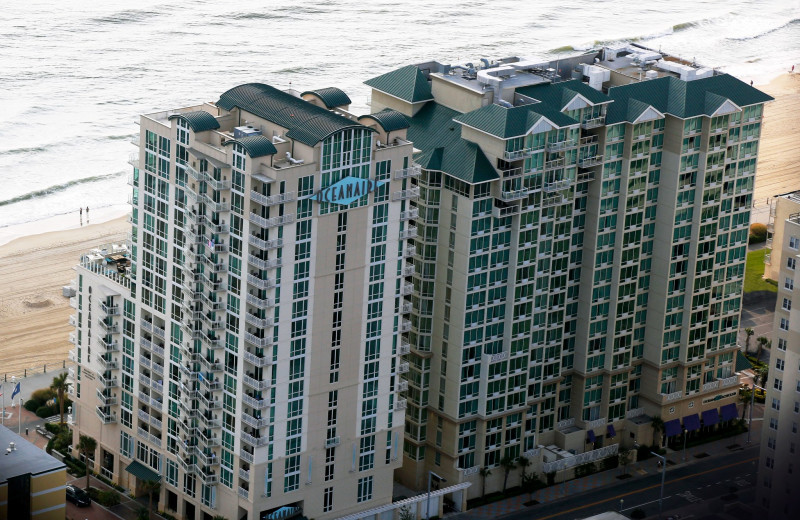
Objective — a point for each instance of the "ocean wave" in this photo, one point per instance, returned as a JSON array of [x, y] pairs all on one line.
[[59, 187], [32, 149], [257, 16], [123, 17], [793, 21]]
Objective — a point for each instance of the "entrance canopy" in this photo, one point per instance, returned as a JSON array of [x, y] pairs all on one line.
[[142, 472]]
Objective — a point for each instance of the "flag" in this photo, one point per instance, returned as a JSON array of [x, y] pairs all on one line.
[[15, 392], [211, 244]]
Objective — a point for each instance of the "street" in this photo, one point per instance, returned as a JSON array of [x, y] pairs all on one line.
[[702, 481]]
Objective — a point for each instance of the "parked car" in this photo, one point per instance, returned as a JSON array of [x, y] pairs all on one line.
[[78, 496]]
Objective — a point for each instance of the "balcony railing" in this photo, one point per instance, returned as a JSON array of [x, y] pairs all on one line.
[[261, 284], [588, 124], [254, 340], [252, 402], [254, 441], [255, 384], [271, 200], [270, 263], [271, 222], [259, 361], [266, 245], [411, 193], [253, 421], [265, 303], [106, 418], [411, 171]]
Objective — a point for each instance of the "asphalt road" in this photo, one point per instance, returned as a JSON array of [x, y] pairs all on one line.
[[702, 481]]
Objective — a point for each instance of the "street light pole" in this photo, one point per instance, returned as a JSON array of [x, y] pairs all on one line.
[[685, 434], [663, 478], [431, 474], [752, 403]]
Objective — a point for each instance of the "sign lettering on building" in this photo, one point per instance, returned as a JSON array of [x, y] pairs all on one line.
[[346, 190]]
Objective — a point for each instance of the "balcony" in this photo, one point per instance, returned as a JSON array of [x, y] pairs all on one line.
[[404, 348], [158, 386], [254, 441], [253, 421], [145, 435], [211, 366], [73, 355], [266, 245], [402, 368], [255, 384], [332, 442], [255, 360], [516, 155], [212, 385], [146, 417], [558, 146], [588, 124], [261, 323], [409, 233], [106, 418], [265, 303], [110, 310], [153, 329], [411, 193], [209, 403], [106, 400], [254, 340], [405, 326], [589, 162], [514, 195], [252, 402], [412, 171], [110, 346], [406, 289], [219, 185], [243, 492], [110, 328], [271, 200], [409, 214], [107, 382], [400, 404], [267, 223], [410, 251], [257, 282], [559, 185], [406, 307], [73, 320], [402, 386], [244, 475], [208, 441], [150, 401], [108, 364], [246, 456], [260, 263], [674, 396]]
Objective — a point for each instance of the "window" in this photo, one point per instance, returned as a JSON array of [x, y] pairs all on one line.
[[787, 304], [364, 489], [327, 500], [776, 403], [773, 423], [794, 242], [789, 283], [778, 384], [791, 262], [784, 325]]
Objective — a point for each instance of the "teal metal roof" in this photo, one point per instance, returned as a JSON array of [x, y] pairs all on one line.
[[306, 123], [389, 119], [742, 363], [198, 121], [256, 145], [684, 99], [559, 94], [331, 96], [142, 472], [439, 137], [506, 123], [407, 83]]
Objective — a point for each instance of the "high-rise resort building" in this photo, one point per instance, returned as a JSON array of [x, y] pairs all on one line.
[[245, 349], [780, 434], [579, 261], [509, 259]]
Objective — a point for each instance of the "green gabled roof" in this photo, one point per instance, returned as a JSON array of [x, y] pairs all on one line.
[[684, 99], [407, 83], [636, 108], [331, 96], [198, 121], [389, 119], [255, 145], [434, 132], [506, 123], [306, 123], [557, 95]]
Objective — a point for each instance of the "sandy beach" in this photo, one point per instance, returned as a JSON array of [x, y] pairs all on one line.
[[34, 326]]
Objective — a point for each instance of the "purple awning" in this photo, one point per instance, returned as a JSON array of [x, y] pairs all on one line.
[[691, 422], [710, 417], [672, 428], [729, 412], [611, 431], [590, 435]]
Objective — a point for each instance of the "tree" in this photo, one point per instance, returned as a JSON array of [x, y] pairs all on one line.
[[745, 395], [762, 342], [658, 427], [625, 457], [530, 483], [748, 334], [406, 514], [762, 375], [484, 472], [86, 446], [523, 464], [508, 464], [150, 487], [60, 386]]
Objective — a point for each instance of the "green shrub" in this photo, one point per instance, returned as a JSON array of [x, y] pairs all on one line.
[[42, 395], [53, 428], [63, 440], [758, 233], [108, 498], [585, 470], [46, 411], [31, 405]]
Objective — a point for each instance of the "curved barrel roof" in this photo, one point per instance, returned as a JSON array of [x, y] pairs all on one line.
[[198, 121], [389, 119], [255, 145], [331, 96]]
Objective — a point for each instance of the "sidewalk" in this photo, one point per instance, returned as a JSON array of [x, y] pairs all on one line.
[[637, 470]]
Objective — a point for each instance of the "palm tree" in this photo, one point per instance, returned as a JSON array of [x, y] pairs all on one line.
[[523, 464], [763, 342], [744, 397], [625, 457], [658, 427], [87, 445], [150, 487], [762, 375], [748, 334], [508, 464], [60, 386], [484, 472]]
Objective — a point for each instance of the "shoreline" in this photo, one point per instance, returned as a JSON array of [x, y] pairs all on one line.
[[64, 222]]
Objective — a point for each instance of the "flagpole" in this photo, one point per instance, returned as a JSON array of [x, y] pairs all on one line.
[[19, 417], [3, 419]]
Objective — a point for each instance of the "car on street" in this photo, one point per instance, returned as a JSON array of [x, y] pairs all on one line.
[[78, 496]]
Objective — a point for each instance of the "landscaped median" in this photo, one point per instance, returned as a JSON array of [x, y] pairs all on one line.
[[754, 274]]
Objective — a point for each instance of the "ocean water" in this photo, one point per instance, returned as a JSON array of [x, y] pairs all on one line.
[[75, 75]]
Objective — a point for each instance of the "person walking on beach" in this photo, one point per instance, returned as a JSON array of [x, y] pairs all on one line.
[[87, 211], [81, 212]]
